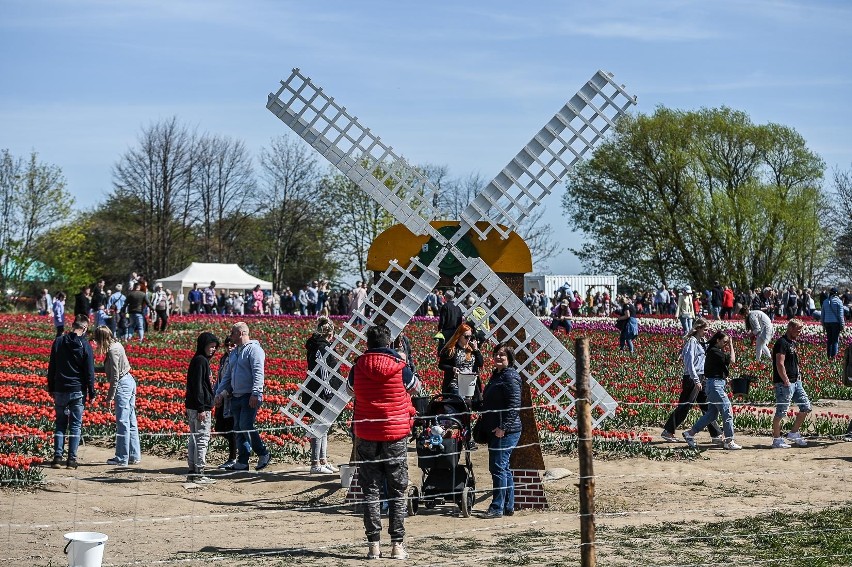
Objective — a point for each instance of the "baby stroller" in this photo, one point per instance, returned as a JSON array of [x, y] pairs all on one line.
[[446, 475]]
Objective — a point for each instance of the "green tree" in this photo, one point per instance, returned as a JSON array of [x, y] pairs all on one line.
[[67, 253], [33, 199], [699, 196]]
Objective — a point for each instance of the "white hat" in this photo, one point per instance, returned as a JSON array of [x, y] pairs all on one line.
[[687, 289]]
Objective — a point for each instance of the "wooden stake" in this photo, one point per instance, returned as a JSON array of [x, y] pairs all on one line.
[[587, 472]]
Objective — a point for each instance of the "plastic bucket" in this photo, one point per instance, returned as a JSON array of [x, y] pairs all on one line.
[[346, 474], [467, 385], [85, 549]]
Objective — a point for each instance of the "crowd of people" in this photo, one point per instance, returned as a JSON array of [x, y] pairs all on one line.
[[226, 397]]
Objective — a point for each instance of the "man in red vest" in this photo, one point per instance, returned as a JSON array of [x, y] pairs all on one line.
[[381, 383]]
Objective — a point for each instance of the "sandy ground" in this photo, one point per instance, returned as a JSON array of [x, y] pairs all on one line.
[[283, 515]]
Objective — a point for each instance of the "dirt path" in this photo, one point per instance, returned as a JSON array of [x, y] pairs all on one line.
[[266, 518]]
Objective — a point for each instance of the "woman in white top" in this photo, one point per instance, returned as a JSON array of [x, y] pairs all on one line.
[[760, 325], [692, 388], [685, 310], [122, 388]]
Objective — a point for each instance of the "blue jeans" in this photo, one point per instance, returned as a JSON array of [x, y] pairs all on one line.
[[248, 438], [718, 403], [793, 393], [73, 401], [138, 324], [716, 310], [686, 324], [126, 429], [499, 451], [832, 338]]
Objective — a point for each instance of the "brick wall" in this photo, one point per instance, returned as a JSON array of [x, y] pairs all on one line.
[[529, 492]]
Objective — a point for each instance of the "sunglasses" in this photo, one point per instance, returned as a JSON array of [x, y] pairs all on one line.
[[467, 336]]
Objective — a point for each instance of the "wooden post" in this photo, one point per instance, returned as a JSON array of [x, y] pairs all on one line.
[[587, 473]]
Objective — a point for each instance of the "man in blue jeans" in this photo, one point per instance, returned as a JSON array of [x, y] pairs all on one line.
[[787, 381], [70, 380], [833, 320], [243, 383]]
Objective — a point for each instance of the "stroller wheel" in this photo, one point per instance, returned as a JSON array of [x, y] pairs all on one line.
[[413, 500], [466, 502]]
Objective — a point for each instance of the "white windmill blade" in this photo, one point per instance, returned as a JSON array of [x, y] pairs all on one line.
[[533, 173], [356, 152], [392, 300], [549, 367]]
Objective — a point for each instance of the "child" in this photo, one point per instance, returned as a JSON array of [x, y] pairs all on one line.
[[199, 407], [101, 316], [59, 313]]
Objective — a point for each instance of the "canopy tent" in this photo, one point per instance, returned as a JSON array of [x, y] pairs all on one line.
[[227, 277]]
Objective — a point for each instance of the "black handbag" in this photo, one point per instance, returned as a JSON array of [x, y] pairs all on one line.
[[480, 433]]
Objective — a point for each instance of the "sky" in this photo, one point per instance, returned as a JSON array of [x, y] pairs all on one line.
[[459, 84]]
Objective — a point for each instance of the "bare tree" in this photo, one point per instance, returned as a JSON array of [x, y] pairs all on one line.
[[157, 175], [224, 189], [288, 198], [33, 201], [841, 223]]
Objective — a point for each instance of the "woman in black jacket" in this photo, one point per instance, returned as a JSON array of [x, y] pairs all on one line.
[[199, 407], [501, 404], [460, 355], [319, 390]]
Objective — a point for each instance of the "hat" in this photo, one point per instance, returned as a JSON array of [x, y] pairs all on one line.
[[834, 291], [564, 302], [687, 289]]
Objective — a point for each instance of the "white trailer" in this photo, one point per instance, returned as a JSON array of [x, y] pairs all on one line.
[[583, 284]]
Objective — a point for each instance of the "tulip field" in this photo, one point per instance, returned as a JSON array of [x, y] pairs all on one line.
[[645, 384]]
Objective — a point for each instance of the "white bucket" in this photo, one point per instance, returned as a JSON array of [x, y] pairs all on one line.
[[85, 549], [346, 474], [467, 384]]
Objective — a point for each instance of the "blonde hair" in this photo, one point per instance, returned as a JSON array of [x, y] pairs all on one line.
[[325, 326], [698, 325], [104, 339]]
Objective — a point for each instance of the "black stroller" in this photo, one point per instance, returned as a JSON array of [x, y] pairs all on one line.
[[446, 476]]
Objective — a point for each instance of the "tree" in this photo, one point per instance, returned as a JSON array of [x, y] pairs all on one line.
[[66, 253], [223, 185], [290, 204], [34, 199], [699, 196], [156, 178], [840, 218]]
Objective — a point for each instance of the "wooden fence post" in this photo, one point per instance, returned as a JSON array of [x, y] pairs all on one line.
[[587, 472]]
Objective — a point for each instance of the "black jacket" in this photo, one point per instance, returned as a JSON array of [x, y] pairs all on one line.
[[316, 347], [72, 365], [447, 363], [449, 319], [199, 387], [501, 401]]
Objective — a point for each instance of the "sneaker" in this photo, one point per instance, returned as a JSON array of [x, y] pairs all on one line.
[[320, 469], [57, 463], [472, 446], [779, 443], [492, 513], [398, 550], [263, 461], [134, 461], [228, 465], [116, 462], [731, 445], [71, 464], [797, 438], [201, 479], [374, 550], [508, 512], [670, 437], [848, 437], [690, 440], [238, 466], [718, 440], [331, 468]]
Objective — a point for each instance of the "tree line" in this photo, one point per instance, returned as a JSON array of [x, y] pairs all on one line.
[[179, 196]]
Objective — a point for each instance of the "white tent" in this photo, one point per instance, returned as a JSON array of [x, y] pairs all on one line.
[[228, 277]]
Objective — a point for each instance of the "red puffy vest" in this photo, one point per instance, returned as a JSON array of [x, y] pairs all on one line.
[[383, 409]]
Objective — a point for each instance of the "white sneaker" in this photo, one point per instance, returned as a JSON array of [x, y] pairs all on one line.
[[690, 440], [779, 443], [731, 445], [374, 550], [331, 467], [848, 437], [398, 550], [320, 469], [797, 438], [204, 480]]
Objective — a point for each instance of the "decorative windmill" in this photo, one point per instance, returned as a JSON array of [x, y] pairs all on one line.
[[544, 362]]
